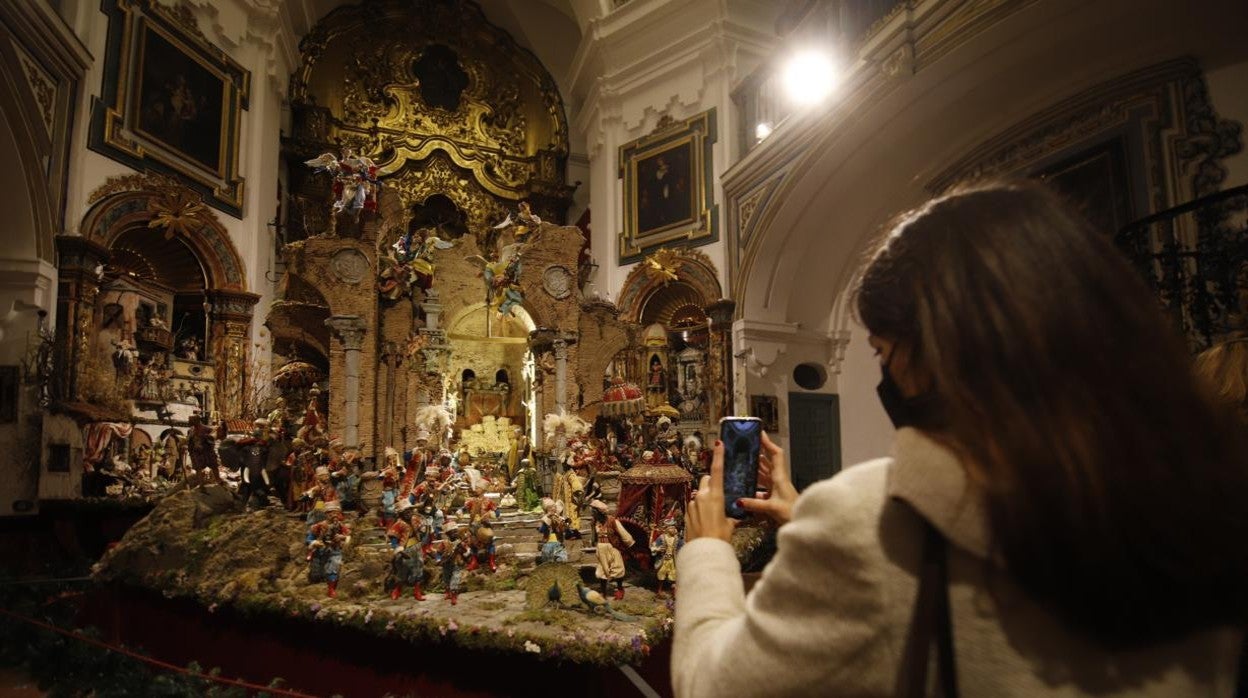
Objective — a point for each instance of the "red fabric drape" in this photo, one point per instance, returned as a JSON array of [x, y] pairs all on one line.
[[630, 497], [98, 434]]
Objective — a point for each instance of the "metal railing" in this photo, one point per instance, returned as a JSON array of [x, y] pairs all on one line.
[[1195, 257]]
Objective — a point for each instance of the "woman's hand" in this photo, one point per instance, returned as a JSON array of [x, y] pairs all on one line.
[[773, 473], [705, 517]]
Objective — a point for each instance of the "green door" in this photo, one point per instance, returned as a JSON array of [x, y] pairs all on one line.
[[814, 437]]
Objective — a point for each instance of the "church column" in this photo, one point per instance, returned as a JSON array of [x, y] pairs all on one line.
[[350, 330], [77, 286], [719, 359], [230, 315]]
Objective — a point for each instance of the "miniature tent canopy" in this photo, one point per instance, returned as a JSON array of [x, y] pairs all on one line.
[[664, 411], [649, 494], [296, 375], [622, 399]]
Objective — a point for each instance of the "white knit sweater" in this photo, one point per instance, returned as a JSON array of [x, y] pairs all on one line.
[[830, 614]]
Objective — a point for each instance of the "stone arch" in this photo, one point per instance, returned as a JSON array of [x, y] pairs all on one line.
[[114, 213], [696, 270]]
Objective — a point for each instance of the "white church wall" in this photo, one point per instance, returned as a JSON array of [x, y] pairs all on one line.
[[261, 41], [653, 59]]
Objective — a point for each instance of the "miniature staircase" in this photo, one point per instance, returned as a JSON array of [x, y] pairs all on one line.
[[517, 541]]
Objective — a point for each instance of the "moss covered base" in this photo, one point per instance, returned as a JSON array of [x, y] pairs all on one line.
[[197, 544]]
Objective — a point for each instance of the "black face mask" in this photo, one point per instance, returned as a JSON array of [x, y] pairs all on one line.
[[918, 411]]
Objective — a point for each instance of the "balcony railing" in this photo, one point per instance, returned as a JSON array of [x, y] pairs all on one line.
[[1195, 257]]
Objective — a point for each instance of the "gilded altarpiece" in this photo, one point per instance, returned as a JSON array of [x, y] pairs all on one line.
[[441, 100]]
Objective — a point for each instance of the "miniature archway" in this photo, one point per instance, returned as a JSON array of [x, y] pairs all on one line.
[[186, 217], [695, 271], [146, 224]]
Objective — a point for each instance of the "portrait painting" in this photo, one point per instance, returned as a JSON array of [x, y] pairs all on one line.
[[180, 102], [766, 408], [667, 187], [171, 101], [1095, 180], [664, 189]]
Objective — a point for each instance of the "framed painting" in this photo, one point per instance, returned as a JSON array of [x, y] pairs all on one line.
[[171, 101], [1096, 180], [766, 408], [667, 187]]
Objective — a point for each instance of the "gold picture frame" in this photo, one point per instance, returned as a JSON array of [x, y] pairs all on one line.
[[668, 197], [171, 101], [767, 409]]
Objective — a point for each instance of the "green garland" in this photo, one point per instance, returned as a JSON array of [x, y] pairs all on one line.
[[64, 666]]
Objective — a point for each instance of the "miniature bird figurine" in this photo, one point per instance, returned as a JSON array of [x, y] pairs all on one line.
[[596, 602]]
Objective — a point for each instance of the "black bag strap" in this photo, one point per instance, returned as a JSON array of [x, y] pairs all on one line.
[[1241, 678], [931, 621]]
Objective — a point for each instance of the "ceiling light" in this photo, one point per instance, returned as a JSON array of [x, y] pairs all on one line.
[[762, 130], [809, 76]]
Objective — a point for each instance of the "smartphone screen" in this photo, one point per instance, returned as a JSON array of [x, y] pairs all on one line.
[[742, 437]]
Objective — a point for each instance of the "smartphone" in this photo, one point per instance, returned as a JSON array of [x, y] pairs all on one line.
[[742, 437]]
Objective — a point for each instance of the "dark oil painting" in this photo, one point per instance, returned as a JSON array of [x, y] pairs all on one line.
[[180, 102], [1095, 181], [665, 189]]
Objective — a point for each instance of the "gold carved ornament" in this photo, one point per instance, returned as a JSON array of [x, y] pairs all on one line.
[[360, 84], [664, 265], [177, 211]]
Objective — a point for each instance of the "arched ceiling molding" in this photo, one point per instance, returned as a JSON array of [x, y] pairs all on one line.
[[124, 203], [43, 64], [299, 314], [804, 206], [675, 301], [696, 270], [168, 261]]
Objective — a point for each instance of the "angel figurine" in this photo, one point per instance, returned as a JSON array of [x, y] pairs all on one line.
[[355, 180], [410, 263], [501, 278]]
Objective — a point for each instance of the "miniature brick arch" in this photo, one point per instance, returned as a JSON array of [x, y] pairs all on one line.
[[696, 269], [114, 214]]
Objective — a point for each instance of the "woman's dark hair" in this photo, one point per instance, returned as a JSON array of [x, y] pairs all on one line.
[[1117, 494]]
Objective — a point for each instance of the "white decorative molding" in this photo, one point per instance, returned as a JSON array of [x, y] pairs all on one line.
[[760, 344], [42, 87], [261, 23], [611, 65]]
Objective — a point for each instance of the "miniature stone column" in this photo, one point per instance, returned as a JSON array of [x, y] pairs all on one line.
[[350, 329], [390, 354], [719, 360], [560, 347], [228, 347], [77, 286], [432, 309]]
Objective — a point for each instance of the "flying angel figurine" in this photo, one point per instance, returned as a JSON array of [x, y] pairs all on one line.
[[355, 180], [502, 278], [410, 263]]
